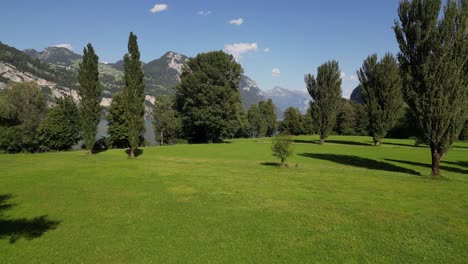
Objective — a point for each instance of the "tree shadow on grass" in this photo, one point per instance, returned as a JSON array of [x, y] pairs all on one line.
[[306, 141], [342, 142], [459, 163], [138, 152], [360, 162], [409, 145], [14, 229], [442, 167], [271, 164], [345, 142]]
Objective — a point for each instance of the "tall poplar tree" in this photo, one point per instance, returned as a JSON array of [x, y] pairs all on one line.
[[381, 93], [325, 91], [134, 94], [433, 61], [91, 94]]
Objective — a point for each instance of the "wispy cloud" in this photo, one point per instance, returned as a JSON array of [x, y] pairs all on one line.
[[266, 50], [237, 22], [204, 12], [65, 45], [276, 73], [159, 8], [238, 49]]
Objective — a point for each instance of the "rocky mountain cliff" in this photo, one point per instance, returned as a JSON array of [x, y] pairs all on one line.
[[56, 68]]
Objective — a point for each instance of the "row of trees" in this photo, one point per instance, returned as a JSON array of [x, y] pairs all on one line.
[[27, 125], [431, 77], [427, 82]]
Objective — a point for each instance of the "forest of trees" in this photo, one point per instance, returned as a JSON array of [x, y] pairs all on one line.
[[420, 93]]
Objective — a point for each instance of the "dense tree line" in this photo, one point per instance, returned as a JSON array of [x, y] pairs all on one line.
[[422, 93]]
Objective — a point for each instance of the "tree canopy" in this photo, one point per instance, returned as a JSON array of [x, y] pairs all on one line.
[[433, 61], [208, 98]]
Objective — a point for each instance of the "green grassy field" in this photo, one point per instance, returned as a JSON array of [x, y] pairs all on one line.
[[345, 201]]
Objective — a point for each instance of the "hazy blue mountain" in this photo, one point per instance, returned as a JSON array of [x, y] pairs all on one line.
[[284, 98]]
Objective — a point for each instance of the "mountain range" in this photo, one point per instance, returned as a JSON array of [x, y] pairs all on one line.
[[55, 69]]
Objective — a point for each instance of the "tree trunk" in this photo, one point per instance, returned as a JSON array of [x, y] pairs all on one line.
[[162, 138], [436, 155], [322, 140], [132, 152]]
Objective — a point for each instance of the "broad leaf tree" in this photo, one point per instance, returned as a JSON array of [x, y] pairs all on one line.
[[292, 123], [268, 111], [22, 108], [208, 98], [325, 91], [91, 94], [166, 121], [60, 130], [134, 94], [381, 93], [433, 60]]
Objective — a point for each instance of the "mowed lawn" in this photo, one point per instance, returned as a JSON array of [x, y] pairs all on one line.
[[345, 201]]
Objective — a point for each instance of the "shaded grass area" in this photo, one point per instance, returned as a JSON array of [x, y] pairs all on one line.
[[14, 229], [360, 162], [231, 203]]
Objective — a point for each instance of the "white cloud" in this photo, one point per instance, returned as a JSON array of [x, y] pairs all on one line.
[[67, 46], [266, 50], [345, 77], [238, 49], [158, 8], [237, 22], [276, 72], [204, 13]]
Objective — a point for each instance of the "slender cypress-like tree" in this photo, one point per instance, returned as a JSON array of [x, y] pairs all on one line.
[[134, 94], [325, 91], [433, 61], [381, 93], [91, 94]]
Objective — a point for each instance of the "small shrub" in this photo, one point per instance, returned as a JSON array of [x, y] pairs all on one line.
[[282, 147]]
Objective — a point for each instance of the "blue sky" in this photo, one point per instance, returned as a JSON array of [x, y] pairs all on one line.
[[277, 41]]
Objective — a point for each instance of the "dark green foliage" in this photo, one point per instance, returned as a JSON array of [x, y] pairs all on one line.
[[346, 119], [292, 123], [167, 124], [308, 122], [60, 130], [208, 98], [381, 93], [361, 118], [282, 147], [257, 124], [91, 94], [23, 106], [464, 132], [406, 126], [134, 94], [325, 91], [117, 128], [433, 61], [268, 111]]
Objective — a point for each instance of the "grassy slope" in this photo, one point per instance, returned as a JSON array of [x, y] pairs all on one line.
[[345, 201]]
